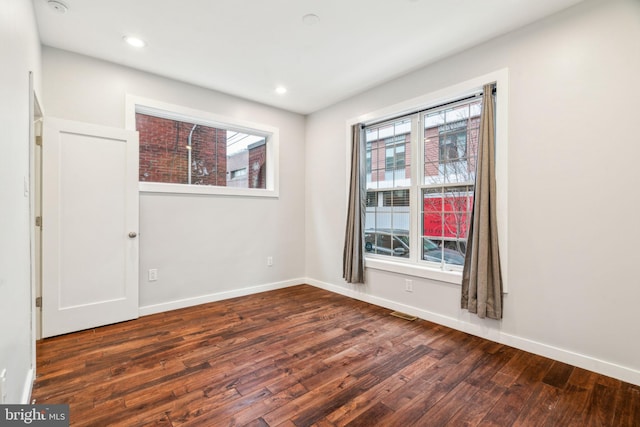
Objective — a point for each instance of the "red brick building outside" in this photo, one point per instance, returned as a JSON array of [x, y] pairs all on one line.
[[257, 165], [164, 152], [170, 148]]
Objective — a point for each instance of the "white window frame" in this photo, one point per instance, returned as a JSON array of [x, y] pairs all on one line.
[[137, 104], [413, 266]]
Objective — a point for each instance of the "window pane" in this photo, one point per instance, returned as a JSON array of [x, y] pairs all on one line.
[[450, 144], [387, 223], [246, 152], [179, 152], [432, 250], [393, 243], [388, 164], [445, 221]]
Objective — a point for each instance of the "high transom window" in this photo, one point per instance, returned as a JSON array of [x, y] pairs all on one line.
[[178, 152], [189, 151]]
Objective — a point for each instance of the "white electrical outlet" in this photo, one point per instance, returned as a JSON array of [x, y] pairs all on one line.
[[153, 274], [408, 285], [270, 261]]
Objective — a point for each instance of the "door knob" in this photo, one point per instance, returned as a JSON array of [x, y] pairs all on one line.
[[133, 234]]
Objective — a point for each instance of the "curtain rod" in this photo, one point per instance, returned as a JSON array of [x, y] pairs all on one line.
[[364, 125]]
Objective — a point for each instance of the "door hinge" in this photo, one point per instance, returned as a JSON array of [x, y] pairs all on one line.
[[39, 302], [38, 221], [39, 140]]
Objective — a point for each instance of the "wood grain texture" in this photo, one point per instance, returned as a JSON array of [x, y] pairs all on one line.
[[302, 356]]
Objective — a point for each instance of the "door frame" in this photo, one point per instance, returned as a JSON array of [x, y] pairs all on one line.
[[34, 190]]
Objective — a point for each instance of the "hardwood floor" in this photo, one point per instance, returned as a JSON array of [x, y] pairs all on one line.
[[302, 356]]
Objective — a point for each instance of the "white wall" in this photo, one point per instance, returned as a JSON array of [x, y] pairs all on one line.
[[573, 198], [204, 247], [20, 53]]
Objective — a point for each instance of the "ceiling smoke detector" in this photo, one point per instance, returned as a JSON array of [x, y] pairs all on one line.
[[58, 6]]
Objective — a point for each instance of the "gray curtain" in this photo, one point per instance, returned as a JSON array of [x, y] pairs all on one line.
[[481, 279], [353, 257]]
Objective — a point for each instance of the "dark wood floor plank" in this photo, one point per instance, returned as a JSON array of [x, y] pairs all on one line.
[[267, 405], [509, 373], [451, 403], [371, 416], [558, 375], [478, 405], [539, 406], [199, 405], [312, 400], [302, 356], [574, 399], [500, 356], [224, 415], [602, 406], [434, 384], [357, 407], [321, 409], [512, 402], [627, 405]]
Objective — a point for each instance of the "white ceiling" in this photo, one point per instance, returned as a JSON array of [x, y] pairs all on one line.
[[248, 47]]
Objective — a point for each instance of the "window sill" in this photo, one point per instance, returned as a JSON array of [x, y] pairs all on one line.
[[425, 272], [158, 187]]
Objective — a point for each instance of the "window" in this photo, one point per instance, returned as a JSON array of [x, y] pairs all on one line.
[[238, 173], [395, 153], [188, 151], [395, 198], [178, 152], [447, 143], [416, 219]]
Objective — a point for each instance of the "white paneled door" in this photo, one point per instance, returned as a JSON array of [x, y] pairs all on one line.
[[89, 226]]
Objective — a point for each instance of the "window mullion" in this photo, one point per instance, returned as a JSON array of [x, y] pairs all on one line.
[[414, 193]]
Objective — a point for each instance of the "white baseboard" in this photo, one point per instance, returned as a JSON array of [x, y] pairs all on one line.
[[28, 387], [603, 367], [218, 296]]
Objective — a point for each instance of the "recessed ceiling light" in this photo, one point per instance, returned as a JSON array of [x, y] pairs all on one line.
[[58, 6], [310, 19], [134, 41], [281, 90]]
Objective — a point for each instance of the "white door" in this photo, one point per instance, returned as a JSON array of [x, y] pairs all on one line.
[[89, 226]]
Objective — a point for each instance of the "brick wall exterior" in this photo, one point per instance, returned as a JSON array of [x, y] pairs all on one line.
[[431, 151], [257, 165], [379, 155], [164, 154]]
